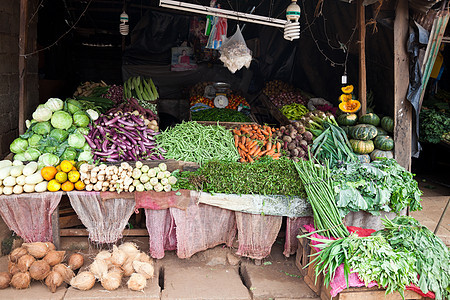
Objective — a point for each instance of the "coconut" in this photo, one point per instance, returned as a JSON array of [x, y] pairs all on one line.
[[137, 282], [54, 257], [130, 249], [25, 262], [76, 261], [104, 255], [127, 268], [111, 281], [143, 258], [21, 280], [144, 268], [114, 268], [118, 257], [39, 270], [83, 281], [50, 246], [65, 271], [53, 281], [99, 268], [13, 269], [5, 279], [17, 253], [37, 249]]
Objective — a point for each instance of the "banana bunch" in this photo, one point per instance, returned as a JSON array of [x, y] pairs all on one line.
[[140, 88]]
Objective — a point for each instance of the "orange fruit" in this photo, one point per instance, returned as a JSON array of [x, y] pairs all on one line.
[[73, 176], [48, 173], [66, 166], [53, 186], [58, 168], [67, 186], [79, 185], [61, 177], [74, 168]]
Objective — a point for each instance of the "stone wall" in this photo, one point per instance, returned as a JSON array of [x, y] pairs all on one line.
[[9, 76]]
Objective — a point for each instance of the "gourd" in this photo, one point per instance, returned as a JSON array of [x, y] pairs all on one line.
[[16, 171], [370, 118], [376, 154], [347, 129], [350, 106], [9, 181], [362, 147], [387, 123], [34, 178], [20, 180], [8, 190], [5, 163], [4, 172], [381, 131], [347, 119], [363, 132], [41, 187], [17, 189], [30, 168], [28, 188], [385, 143], [364, 158]]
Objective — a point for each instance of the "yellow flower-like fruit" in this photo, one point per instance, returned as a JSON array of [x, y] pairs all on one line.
[[66, 166], [347, 89]]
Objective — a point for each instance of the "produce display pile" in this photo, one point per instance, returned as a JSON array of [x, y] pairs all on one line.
[[220, 114], [433, 125], [294, 140], [401, 254], [234, 101], [41, 262], [294, 111], [281, 94], [142, 89], [255, 141]]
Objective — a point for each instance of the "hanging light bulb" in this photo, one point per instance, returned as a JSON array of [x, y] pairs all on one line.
[[292, 26], [124, 27]]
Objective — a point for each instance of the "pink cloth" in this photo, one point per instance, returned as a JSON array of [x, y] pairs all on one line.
[[162, 232], [293, 226], [157, 200], [30, 215], [256, 234]]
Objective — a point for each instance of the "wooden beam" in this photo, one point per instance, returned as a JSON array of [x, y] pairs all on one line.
[[402, 107], [55, 228], [23, 37], [362, 84], [84, 232]]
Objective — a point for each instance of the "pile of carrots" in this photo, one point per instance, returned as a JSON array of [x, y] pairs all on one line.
[[255, 141]]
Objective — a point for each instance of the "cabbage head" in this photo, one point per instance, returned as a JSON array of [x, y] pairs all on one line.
[[42, 128], [28, 123], [83, 130], [50, 149], [19, 145], [54, 104], [93, 114], [73, 106], [86, 156], [80, 119], [86, 147], [20, 156], [76, 140], [48, 159], [69, 154], [61, 120], [42, 113], [32, 154], [59, 135], [33, 141]]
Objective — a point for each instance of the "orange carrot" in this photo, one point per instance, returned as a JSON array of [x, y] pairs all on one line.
[[242, 141], [250, 159], [243, 147], [242, 160], [276, 156], [257, 152], [253, 150], [264, 132], [270, 152], [269, 146], [253, 144], [236, 140], [278, 147]]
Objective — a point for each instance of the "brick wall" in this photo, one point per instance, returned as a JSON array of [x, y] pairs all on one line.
[[9, 77], [9, 71]]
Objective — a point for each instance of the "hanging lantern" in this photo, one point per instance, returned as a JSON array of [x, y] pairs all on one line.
[[292, 26], [124, 27]]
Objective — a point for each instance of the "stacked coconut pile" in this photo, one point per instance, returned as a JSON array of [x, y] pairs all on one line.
[[110, 267], [41, 262]]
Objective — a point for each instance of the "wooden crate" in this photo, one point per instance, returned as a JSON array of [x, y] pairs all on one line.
[[227, 125], [273, 110], [304, 251]]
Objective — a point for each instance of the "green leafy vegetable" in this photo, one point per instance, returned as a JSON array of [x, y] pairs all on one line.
[[433, 124], [220, 114]]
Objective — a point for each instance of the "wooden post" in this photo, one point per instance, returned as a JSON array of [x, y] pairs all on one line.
[[362, 86], [55, 228], [402, 107], [23, 37]]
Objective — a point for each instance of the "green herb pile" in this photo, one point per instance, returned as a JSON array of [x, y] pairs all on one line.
[[191, 141], [382, 185], [432, 258], [220, 114], [371, 257], [318, 186], [264, 177], [433, 124]]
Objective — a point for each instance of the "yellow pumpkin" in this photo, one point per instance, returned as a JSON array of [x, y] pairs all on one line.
[[347, 89], [345, 98], [351, 106]]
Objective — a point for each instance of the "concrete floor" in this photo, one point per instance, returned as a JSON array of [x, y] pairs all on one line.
[[218, 274]]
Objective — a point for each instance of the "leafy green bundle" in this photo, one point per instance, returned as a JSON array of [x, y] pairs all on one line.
[[264, 177], [431, 256], [382, 185], [433, 124], [220, 114]]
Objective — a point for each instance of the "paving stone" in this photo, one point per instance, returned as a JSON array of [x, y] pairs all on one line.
[[201, 283], [277, 280], [151, 292], [233, 259], [36, 291]]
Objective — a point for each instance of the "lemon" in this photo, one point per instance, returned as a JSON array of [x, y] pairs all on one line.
[[66, 166], [61, 177], [53, 186], [73, 176]]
